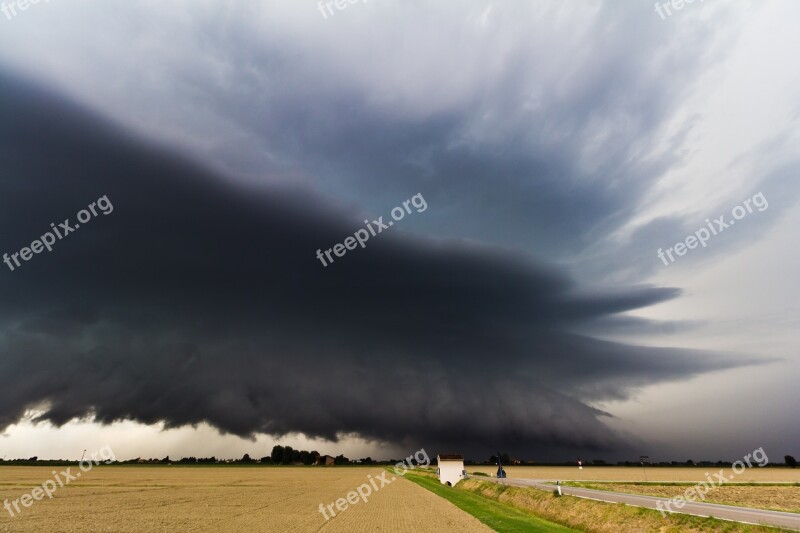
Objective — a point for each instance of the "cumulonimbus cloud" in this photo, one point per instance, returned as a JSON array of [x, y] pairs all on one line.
[[201, 300]]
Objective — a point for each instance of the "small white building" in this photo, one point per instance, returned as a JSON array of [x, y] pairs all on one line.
[[450, 469]]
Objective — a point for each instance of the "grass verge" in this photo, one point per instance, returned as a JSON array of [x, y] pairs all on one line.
[[498, 516]]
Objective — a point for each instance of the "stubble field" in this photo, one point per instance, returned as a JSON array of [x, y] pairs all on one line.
[[273, 499], [759, 496], [672, 475], [164, 498]]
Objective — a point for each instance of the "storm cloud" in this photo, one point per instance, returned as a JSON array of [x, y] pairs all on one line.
[[200, 299]]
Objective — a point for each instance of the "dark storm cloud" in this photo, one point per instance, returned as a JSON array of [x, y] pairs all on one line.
[[500, 112], [512, 127], [199, 299], [526, 168]]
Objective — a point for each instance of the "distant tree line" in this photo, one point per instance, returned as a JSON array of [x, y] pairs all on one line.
[[286, 455], [504, 459], [281, 455]]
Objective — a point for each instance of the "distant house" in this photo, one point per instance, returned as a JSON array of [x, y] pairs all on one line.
[[450, 469], [324, 460]]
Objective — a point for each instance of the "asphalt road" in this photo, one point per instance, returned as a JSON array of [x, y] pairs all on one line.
[[728, 512]]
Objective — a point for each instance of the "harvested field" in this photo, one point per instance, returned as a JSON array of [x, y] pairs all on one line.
[[267, 499], [773, 497], [624, 473]]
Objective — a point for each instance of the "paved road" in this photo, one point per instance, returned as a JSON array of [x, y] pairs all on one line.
[[728, 512]]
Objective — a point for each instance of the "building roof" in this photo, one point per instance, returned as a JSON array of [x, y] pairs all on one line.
[[451, 457]]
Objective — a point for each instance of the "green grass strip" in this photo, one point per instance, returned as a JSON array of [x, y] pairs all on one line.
[[498, 516], [605, 484]]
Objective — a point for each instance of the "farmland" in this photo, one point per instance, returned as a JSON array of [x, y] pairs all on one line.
[[272, 499], [633, 474], [768, 496], [128, 499]]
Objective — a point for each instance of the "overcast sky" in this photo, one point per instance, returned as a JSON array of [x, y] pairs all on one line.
[[551, 150]]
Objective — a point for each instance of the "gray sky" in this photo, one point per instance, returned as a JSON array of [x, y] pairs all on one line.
[[557, 147]]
